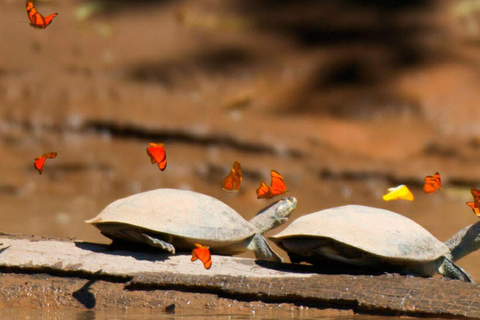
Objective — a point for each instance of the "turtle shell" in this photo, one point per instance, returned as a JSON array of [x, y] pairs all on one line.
[[180, 213], [379, 232]]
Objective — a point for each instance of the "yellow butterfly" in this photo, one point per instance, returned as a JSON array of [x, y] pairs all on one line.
[[401, 192]]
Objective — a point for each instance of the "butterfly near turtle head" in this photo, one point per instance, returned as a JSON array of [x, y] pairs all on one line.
[[475, 205], [277, 187]]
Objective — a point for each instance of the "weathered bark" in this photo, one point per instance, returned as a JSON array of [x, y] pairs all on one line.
[[243, 279]]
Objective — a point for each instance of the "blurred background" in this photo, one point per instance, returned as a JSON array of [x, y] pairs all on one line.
[[345, 98]]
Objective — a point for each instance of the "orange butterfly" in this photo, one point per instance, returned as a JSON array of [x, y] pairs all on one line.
[[276, 188], [475, 205], [36, 19], [202, 253], [432, 183], [233, 179], [157, 154], [40, 161]]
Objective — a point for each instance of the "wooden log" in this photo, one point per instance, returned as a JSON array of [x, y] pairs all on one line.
[[243, 279]]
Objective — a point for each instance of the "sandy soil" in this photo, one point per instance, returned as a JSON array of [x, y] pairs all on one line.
[[344, 99]]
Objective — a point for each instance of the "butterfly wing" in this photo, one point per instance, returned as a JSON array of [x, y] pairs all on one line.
[[233, 179], [476, 201], [202, 253], [150, 154], [157, 154], [39, 163], [194, 255], [475, 210], [277, 186], [436, 176], [228, 182], [48, 19], [51, 155], [31, 11], [263, 191]]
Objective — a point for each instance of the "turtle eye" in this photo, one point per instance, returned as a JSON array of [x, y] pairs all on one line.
[[293, 202]]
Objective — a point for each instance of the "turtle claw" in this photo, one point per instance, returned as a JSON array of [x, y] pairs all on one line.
[[157, 243]]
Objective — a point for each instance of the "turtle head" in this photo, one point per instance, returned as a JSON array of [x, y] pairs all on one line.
[[274, 215]]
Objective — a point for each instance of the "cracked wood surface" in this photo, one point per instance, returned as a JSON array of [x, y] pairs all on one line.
[[244, 279]]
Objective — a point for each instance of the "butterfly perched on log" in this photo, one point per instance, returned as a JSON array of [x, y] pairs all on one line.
[[233, 180], [432, 183], [39, 163], [157, 154], [475, 205], [36, 19], [203, 254], [399, 193], [277, 187]]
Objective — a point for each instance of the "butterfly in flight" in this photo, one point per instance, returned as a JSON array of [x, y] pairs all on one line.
[[432, 183], [233, 179], [202, 253], [277, 187], [401, 192], [157, 154], [475, 205], [36, 19], [40, 161]]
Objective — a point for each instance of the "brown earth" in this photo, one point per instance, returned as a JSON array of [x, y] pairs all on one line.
[[344, 98]]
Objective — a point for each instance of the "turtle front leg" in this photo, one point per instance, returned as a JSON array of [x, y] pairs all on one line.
[[262, 250], [450, 270], [157, 243]]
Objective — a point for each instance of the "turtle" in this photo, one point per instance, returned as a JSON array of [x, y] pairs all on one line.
[[361, 238], [174, 220]]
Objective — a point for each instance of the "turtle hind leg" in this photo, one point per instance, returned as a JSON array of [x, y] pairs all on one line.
[[262, 250], [452, 271], [157, 243]]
